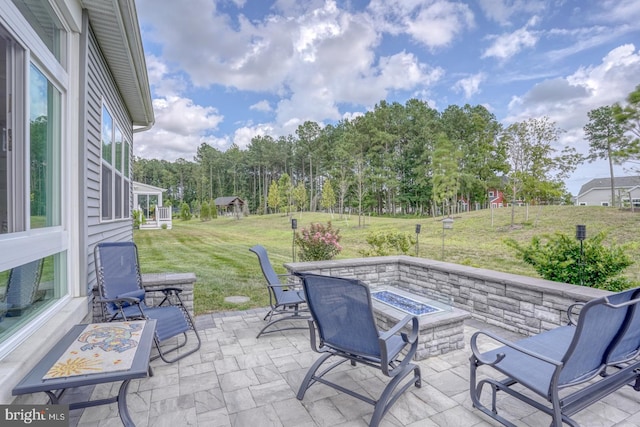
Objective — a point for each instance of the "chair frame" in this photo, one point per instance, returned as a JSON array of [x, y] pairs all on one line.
[[282, 310], [397, 370], [10, 310], [613, 369], [171, 299]]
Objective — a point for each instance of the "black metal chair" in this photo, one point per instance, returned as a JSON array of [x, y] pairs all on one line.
[[123, 298], [344, 322], [285, 302]]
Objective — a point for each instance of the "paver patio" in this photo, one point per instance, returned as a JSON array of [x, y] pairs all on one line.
[[238, 380]]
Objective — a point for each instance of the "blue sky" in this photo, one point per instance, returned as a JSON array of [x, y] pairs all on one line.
[[224, 71]]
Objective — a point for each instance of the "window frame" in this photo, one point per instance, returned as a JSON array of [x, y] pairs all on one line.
[[117, 185]]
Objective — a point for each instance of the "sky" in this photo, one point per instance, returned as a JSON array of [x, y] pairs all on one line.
[[224, 71]]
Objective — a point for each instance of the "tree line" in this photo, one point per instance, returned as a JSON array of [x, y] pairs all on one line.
[[398, 159]]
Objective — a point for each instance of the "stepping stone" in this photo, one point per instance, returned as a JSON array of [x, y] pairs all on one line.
[[236, 299]]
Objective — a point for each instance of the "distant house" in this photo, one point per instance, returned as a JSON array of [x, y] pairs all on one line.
[[231, 205], [496, 198], [597, 192]]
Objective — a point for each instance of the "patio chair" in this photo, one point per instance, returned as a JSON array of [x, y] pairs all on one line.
[[285, 301], [21, 291], [570, 367], [123, 298], [344, 322]]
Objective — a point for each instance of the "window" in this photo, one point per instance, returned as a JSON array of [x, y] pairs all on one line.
[[604, 203], [46, 24], [582, 204], [30, 161], [490, 193], [115, 193], [34, 237], [28, 288], [635, 203]]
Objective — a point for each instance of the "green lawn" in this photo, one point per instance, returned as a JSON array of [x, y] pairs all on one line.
[[217, 251]]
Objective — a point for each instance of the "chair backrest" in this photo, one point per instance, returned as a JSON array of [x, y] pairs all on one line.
[[23, 284], [600, 326], [343, 313], [267, 270], [117, 270], [627, 344]]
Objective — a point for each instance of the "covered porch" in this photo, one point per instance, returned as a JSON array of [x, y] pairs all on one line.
[[149, 212]]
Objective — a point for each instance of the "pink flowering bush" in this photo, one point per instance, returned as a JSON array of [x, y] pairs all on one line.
[[318, 243]]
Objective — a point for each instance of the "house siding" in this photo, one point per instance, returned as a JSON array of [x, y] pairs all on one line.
[[101, 86]]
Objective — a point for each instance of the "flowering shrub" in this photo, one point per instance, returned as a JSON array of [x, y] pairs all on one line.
[[318, 242]]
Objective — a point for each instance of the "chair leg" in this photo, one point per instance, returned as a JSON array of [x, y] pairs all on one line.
[[162, 354], [388, 397], [311, 378]]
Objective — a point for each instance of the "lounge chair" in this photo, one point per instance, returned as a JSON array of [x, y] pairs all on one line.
[[570, 367], [344, 322], [21, 291], [123, 298], [285, 301]]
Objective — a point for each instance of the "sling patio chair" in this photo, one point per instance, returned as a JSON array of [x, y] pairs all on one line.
[[570, 367], [21, 291], [343, 319], [123, 298], [285, 301]]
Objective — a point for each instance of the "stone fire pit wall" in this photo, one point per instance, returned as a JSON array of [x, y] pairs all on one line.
[[522, 304]]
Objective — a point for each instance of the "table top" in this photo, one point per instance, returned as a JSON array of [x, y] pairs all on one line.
[[34, 382]]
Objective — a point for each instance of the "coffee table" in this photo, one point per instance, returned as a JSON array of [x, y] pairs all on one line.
[[33, 382]]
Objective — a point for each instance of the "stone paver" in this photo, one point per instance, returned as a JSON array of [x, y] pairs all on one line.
[[236, 380]]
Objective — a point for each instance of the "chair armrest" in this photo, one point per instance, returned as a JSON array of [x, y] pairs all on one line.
[[165, 291], [573, 317], [129, 300], [477, 354], [415, 328]]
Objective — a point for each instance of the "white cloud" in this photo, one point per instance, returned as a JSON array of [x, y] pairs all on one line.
[[509, 44], [263, 106], [502, 11], [180, 127], [242, 136], [567, 100], [434, 24], [470, 85]]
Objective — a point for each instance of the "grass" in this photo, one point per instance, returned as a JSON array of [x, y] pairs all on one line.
[[217, 251]]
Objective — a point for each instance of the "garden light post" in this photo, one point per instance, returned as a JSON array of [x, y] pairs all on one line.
[[294, 225], [581, 234], [418, 226], [447, 224]]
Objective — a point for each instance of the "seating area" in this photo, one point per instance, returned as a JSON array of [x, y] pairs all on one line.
[[584, 373], [238, 380]]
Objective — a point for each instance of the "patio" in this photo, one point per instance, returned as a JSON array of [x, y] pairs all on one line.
[[238, 380]]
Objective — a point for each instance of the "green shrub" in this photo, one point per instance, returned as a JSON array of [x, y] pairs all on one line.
[[185, 212], [205, 213], [138, 218], [214, 210], [557, 257], [388, 243], [318, 243]]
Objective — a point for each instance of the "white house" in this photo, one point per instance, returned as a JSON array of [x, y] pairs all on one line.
[[147, 200], [597, 192], [73, 91]]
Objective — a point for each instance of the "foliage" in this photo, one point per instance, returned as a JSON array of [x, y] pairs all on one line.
[[214, 210], [606, 141], [205, 212], [388, 243], [185, 212], [300, 196], [328, 196], [273, 199], [138, 218], [535, 169], [557, 257], [318, 242], [628, 116], [286, 190]]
